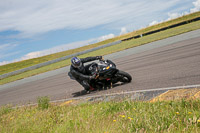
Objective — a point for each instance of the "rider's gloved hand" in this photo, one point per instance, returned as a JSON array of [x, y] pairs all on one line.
[[99, 57], [93, 76]]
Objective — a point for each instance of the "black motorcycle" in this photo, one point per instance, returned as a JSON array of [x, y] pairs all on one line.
[[107, 75]]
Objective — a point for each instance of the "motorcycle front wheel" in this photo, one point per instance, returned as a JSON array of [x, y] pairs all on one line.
[[124, 77]]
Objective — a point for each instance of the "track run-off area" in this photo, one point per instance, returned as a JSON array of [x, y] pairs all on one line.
[[170, 62]]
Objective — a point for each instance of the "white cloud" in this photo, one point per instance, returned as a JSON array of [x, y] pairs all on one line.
[[65, 47], [4, 48], [7, 62], [196, 6], [109, 36], [123, 31], [192, 10], [2, 55], [56, 49], [153, 23], [32, 55], [36, 17], [7, 46], [4, 63], [174, 15]]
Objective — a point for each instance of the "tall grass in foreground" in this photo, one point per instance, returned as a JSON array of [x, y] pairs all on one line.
[[110, 117], [43, 102]]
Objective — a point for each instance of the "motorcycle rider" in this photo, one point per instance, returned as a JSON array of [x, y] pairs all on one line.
[[78, 71]]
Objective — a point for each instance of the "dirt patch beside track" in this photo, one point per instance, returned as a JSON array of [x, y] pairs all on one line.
[[146, 95], [178, 95]]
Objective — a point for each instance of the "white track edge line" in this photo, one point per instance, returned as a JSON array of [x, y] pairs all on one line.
[[128, 92]]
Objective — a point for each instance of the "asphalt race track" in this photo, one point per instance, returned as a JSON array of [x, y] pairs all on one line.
[[171, 65]]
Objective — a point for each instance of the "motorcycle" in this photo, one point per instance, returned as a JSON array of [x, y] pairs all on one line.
[[106, 75]]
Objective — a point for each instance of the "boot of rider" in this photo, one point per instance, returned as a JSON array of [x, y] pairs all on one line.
[[89, 89]]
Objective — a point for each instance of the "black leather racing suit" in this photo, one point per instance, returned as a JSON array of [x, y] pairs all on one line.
[[81, 74]]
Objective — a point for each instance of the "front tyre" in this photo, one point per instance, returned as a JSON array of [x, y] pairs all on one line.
[[124, 77]]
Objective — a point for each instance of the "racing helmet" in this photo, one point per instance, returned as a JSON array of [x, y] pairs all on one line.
[[76, 62]]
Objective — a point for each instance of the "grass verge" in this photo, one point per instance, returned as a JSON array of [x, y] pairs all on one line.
[[105, 117], [109, 50]]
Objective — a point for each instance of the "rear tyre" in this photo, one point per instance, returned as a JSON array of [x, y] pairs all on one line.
[[124, 77]]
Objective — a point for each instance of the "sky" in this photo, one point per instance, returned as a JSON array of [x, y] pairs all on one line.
[[30, 28]]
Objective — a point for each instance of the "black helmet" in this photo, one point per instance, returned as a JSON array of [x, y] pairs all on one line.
[[76, 62]]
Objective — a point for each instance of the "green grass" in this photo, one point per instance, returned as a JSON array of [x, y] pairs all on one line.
[[43, 102], [23, 64], [108, 50], [105, 117]]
